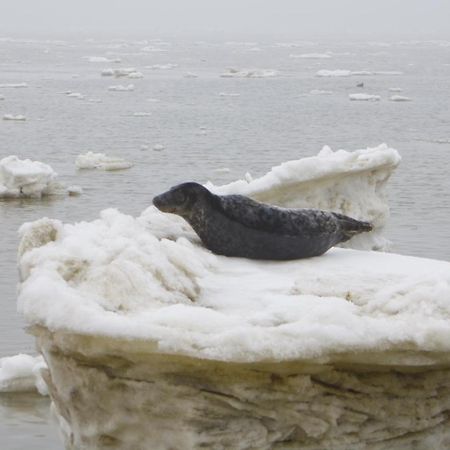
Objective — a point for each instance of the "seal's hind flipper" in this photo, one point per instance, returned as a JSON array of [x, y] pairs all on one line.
[[350, 227]]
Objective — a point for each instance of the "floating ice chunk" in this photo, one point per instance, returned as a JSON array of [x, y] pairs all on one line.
[[74, 190], [229, 94], [121, 88], [249, 73], [107, 72], [395, 89], [141, 114], [364, 97], [95, 100], [361, 73], [91, 160], [77, 95], [153, 49], [21, 373], [222, 170], [388, 72], [18, 117], [162, 66], [25, 178], [129, 72], [311, 56], [101, 59], [320, 92], [153, 100], [190, 75], [399, 98], [135, 75], [333, 73], [13, 85], [158, 147]]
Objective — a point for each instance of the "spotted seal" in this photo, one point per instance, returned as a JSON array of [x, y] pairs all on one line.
[[234, 225]]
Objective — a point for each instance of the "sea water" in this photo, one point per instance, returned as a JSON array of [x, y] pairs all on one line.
[[183, 121]]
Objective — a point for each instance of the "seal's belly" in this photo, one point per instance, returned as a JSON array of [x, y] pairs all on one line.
[[225, 237]]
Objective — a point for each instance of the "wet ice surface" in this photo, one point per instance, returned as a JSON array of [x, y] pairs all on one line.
[[267, 120]]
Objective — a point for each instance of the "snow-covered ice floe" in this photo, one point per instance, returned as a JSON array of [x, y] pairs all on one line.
[[152, 341], [320, 92], [101, 59], [333, 73], [399, 98], [311, 56], [26, 178], [124, 72], [13, 85], [91, 160], [22, 373], [121, 88], [249, 73], [364, 97], [14, 117]]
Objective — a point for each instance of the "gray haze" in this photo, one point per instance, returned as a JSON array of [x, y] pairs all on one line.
[[337, 18]]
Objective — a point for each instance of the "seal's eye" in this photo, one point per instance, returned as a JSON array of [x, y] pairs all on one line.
[[179, 197]]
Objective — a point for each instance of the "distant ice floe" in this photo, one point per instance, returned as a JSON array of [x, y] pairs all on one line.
[[364, 97], [222, 170], [190, 75], [18, 117], [77, 95], [311, 56], [121, 88], [395, 89], [91, 160], [168, 66], [320, 92], [348, 73], [158, 147], [74, 190], [153, 49], [229, 94], [14, 85], [125, 72], [333, 73], [22, 373], [141, 114], [102, 59], [249, 73], [399, 98], [388, 72], [26, 178]]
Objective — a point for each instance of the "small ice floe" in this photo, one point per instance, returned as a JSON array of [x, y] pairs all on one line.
[[91, 160], [101, 59], [125, 72], [222, 170], [74, 190], [249, 73], [362, 73], [153, 100], [388, 72], [107, 72], [2, 98], [135, 75], [26, 178], [167, 66], [399, 98], [18, 117], [190, 75], [22, 373], [311, 56], [121, 88], [320, 92], [229, 94], [141, 114], [95, 100], [153, 49], [158, 147], [13, 85], [364, 97], [144, 147], [77, 95], [395, 89], [333, 73]]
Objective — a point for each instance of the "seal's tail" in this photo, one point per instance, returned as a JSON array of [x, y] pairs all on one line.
[[350, 226]]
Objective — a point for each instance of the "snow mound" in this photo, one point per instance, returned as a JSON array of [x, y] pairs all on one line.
[[249, 73], [399, 98], [91, 160], [121, 88], [26, 178], [364, 97], [21, 373]]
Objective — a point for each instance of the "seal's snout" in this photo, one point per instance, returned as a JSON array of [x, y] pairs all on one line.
[[161, 203]]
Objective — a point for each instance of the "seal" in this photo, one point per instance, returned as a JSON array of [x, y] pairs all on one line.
[[235, 225]]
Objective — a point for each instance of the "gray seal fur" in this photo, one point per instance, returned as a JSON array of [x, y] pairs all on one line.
[[234, 225]]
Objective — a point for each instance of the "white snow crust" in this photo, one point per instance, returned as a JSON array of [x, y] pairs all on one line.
[[25, 178], [91, 160], [21, 373], [149, 279]]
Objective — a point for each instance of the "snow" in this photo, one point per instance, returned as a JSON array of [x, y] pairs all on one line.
[[25, 178], [121, 88], [18, 117], [91, 160], [249, 73], [148, 278], [364, 97], [399, 98], [21, 373]]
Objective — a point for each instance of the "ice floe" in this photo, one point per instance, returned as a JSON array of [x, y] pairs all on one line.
[[333, 73], [364, 97], [158, 147], [320, 92], [311, 56], [14, 85], [22, 373], [15, 117], [399, 98], [249, 73], [229, 94], [91, 160], [26, 178], [190, 75], [124, 72], [395, 89], [121, 88], [102, 59], [141, 114], [167, 66]]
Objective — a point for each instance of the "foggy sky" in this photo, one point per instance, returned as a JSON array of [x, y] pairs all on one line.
[[302, 18]]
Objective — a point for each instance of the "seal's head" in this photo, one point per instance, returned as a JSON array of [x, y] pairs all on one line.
[[181, 199]]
